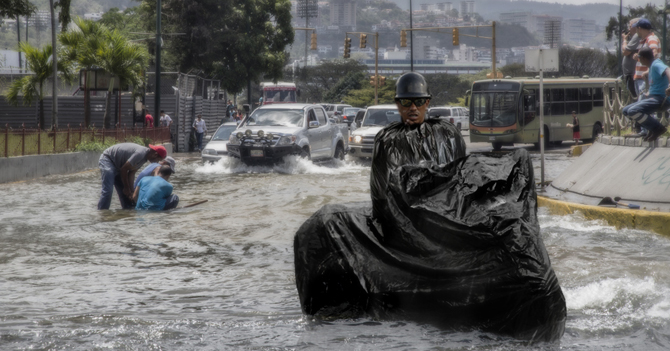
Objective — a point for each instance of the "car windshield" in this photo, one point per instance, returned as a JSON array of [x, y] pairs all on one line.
[[381, 117], [441, 112], [276, 117], [223, 133], [350, 111]]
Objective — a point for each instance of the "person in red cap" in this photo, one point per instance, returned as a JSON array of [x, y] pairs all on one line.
[[118, 165]]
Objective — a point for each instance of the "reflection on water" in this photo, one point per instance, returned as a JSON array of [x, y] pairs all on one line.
[[220, 275]]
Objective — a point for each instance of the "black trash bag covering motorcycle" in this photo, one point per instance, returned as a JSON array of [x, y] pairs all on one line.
[[455, 244]]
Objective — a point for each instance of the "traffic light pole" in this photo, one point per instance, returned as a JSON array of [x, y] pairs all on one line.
[[457, 34], [376, 34]]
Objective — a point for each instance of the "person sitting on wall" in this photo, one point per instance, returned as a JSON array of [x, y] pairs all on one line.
[[659, 89]]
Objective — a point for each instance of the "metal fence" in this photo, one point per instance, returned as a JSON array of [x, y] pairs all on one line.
[[35, 141]]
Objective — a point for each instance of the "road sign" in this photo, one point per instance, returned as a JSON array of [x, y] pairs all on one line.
[[549, 60]]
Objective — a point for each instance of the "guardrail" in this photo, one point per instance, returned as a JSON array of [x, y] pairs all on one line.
[[34, 141], [615, 99]]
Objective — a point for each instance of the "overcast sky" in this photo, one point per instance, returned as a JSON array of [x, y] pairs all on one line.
[[626, 3]]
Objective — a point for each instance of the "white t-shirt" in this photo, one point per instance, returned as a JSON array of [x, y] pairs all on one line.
[[165, 120]]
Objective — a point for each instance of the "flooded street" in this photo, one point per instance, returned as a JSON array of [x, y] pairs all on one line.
[[220, 275]]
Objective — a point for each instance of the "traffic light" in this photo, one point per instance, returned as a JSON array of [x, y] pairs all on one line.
[[347, 47], [313, 46], [364, 41], [455, 38], [373, 80], [403, 38], [382, 80]]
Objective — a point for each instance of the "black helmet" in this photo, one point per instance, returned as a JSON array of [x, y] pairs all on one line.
[[411, 85]]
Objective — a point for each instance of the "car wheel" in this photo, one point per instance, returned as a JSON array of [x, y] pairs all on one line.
[[304, 153], [339, 152]]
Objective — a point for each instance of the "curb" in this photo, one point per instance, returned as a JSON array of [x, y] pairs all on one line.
[[658, 222]]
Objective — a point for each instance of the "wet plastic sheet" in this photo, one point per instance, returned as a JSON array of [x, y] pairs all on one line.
[[455, 244]]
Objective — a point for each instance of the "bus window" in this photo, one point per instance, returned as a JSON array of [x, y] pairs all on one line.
[[597, 97], [497, 109], [557, 105], [529, 109], [585, 100], [571, 100]]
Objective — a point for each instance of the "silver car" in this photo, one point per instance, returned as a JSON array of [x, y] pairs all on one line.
[[456, 115], [216, 147], [362, 140]]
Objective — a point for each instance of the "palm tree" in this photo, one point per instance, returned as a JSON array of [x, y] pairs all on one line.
[[80, 47], [124, 61], [32, 87]]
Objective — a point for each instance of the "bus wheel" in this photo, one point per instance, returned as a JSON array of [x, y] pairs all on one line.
[[597, 130], [546, 139], [496, 146]]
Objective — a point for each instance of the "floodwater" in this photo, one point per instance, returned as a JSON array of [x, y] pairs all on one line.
[[220, 275]]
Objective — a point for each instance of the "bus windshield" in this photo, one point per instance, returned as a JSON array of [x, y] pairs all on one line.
[[280, 96], [494, 109]]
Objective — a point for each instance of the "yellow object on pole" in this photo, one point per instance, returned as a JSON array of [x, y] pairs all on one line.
[[347, 47], [364, 41], [403, 38], [313, 46], [454, 40]]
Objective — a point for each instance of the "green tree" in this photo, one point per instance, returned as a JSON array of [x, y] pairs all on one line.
[[15, 8], [366, 95], [315, 81], [124, 61], [81, 46], [446, 88], [349, 82], [237, 40], [32, 87]]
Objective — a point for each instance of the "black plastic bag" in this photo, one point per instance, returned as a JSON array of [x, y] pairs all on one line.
[[450, 243]]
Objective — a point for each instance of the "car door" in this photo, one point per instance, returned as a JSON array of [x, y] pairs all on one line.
[[323, 133]]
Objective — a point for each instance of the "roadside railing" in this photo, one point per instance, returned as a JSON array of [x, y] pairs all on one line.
[[616, 97], [34, 141]]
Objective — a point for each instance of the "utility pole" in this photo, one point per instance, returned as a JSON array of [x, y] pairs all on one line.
[[411, 40], [157, 94], [54, 62], [618, 55], [18, 33]]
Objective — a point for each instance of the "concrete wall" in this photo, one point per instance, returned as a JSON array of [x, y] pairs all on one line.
[[14, 169], [634, 173]]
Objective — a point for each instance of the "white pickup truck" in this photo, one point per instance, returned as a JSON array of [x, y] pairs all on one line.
[[362, 139], [274, 131]]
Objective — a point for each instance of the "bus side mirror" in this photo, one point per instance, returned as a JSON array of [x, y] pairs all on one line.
[[467, 98]]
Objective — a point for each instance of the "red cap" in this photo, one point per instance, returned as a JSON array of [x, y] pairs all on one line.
[[160, 150]]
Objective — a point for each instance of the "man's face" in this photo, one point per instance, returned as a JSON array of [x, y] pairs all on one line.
[[153, 156], [641, 32], [412, 114]]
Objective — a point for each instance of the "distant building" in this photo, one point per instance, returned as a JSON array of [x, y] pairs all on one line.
[[343, 13], [552, 33], [538, 23], [579, 30], [523, 19], [93, 16], [467, 8], [445, 6]]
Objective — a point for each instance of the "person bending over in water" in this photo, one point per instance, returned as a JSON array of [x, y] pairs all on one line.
[[155, 193]]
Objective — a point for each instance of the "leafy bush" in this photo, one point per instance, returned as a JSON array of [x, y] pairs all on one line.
[[97, 146]]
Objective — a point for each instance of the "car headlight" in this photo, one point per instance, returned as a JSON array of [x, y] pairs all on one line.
[[234, 139], [358, 139], [209, 152], [286, 140]]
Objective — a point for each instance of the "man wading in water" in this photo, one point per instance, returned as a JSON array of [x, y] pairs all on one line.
[[118, 165]]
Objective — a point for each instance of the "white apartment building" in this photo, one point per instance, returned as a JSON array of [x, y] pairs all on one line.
[[343, 13], [467, 8]]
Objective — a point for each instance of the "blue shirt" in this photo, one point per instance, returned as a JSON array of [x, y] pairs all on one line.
[[145, 172], [154, 192], [658, 81]]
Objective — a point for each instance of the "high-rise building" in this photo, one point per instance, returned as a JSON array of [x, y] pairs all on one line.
[[467, 8], [445, 6], [552, 33], [343, 13], [579, 30]]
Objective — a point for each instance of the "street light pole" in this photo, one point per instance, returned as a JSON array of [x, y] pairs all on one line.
[[376, 66], [411, 40], [157, 94], [620, 31]]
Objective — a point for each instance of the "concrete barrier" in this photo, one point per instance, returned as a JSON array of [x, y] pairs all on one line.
[[658, 222], [14, 169], [636, 174]]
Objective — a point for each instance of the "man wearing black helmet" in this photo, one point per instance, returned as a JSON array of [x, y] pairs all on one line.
[[414, 140]]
